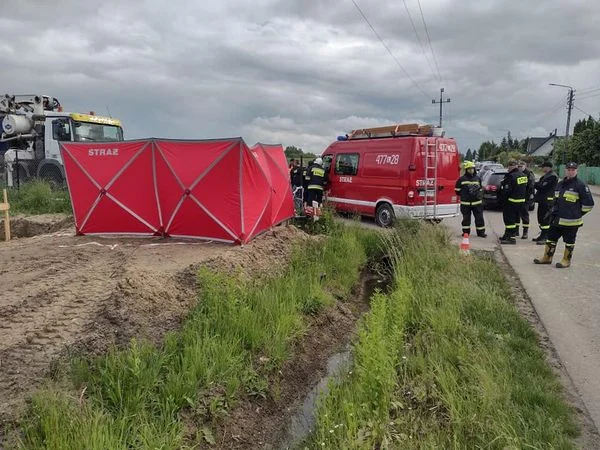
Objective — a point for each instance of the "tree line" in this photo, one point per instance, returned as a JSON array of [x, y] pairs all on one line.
[[582, 147], [508, 148], [292, 152]]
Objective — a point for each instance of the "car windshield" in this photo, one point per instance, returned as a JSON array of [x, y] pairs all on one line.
[[496, 178], [85, 131]]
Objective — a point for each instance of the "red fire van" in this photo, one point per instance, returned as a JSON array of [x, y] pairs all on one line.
[[387, 172]]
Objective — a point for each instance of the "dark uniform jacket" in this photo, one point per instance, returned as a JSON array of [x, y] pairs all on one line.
[[572, 200], [296, 176], [316, 175], [544, 188], [468, 187], [306, 176], [513, 188], [530, 185]]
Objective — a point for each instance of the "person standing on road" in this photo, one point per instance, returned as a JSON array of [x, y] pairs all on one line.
[[544, 196], [513, 193], [572, 200], [468, 188], [524, 211], [316, 180]]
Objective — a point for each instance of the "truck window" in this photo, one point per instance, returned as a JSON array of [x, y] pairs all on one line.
[[327, 162], [346, 164], [61, 130]]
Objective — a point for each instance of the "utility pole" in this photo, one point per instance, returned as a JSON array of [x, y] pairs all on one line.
[[569, 107], [569, 104], [441, 102]]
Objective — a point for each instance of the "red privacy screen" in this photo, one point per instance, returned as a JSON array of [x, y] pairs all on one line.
[[207, 189]]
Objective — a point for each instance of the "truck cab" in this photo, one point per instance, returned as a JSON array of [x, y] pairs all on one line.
[[33, 126]]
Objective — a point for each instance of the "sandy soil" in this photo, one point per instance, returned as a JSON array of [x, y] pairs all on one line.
[[61, 293]]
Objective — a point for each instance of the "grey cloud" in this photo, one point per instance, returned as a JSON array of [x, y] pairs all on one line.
[[303, 72]]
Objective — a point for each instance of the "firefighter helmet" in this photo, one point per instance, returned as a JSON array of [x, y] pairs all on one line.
[[468, 165]]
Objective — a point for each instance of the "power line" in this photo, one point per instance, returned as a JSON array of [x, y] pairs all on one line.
[[388, 50], [589, 90], [547, 114], [420, 42], [586, 113], [429, 40], [589, 96]]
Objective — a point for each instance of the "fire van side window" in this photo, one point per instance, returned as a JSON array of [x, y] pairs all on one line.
[[346, 164]]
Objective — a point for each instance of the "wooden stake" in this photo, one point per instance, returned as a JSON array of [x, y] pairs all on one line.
[[5, 207]]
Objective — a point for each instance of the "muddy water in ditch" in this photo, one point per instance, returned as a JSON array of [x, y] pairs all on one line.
[[303, 421]]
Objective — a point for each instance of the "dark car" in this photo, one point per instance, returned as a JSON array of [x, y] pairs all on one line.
[[491, 182]]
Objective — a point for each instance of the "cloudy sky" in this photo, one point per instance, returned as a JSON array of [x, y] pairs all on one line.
[[302, 72]]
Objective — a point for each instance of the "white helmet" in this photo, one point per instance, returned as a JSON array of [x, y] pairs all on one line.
[[319, 161]]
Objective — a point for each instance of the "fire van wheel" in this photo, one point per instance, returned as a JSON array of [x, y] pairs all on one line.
[[384, 215]]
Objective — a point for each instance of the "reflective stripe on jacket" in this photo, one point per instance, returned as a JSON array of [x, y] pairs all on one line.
[[513, 188], [572, 200], [316, 176], [468, 188], [545, 187]]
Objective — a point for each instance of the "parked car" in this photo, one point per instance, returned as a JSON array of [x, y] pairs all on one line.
[[486, 167], [491, 182]]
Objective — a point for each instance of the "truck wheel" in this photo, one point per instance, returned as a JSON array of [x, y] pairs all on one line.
[[384, 215], [52, 175]]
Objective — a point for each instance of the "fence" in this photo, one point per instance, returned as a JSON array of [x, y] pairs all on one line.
[[589, 175]]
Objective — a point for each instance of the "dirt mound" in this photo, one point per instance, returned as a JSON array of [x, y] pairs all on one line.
[[62, 292], [28, 226]]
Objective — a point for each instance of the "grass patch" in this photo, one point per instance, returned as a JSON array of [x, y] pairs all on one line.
[[39, 197], [231, 342], [444, 361]]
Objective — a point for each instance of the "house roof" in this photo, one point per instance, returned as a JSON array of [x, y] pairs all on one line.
[[541, 146], [535, 143]]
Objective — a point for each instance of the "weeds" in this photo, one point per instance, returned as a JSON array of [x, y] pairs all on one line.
[[39, 197], [444, 361], [232, 341]]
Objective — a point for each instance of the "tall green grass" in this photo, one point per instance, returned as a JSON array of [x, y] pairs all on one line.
[[39, 197], [444, 361], [239, 333]]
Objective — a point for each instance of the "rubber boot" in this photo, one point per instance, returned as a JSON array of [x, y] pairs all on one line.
[[507, 240], [548, 254], [566, 260], [525, 233], [541, 239], [481, 233]]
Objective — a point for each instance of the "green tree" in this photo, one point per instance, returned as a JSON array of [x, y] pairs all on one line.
[[292, 152], [469, 155], [509, 141], [487, 150], [583, 147]]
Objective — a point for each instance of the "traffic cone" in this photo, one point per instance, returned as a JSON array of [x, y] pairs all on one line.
[[465, 245]]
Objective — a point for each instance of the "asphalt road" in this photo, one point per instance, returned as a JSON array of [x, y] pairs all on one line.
[[566, 300]]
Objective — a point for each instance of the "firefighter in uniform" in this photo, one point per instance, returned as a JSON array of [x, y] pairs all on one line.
[[513, 193], [524, 211], [468, 188], [316, 180], [306, 179], [544, 196], [572, 200]]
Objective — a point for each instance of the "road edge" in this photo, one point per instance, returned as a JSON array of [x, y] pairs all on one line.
[[589, 437]]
